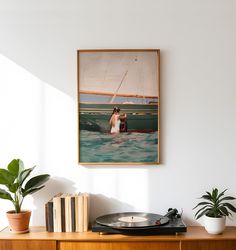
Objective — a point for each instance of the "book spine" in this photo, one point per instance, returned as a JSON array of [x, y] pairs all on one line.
[[54, 216], [50, 217], [46, 216], [57, 210], [68, 213], [63, 222], [73, 214], [81, 213], [76, 213], [85, 226]]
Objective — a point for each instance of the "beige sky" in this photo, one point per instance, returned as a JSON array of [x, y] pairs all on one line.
[[104, 71]]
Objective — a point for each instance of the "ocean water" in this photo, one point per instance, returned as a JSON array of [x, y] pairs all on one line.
[[123, 147]]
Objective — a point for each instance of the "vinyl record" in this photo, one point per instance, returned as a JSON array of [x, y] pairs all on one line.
[[132, 220]]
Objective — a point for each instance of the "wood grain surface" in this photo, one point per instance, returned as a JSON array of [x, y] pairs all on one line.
[[195, 239]]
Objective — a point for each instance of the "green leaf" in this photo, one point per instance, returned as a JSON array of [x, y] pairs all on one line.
[[36, 181], [230, 207], [224, 211], [213, 214], [202, 213], [208, 193], [214, 194], [202, 203], [15, 167], [201, 209], [227, 198], [24, 174], [206, 197], [13, 187], [6, 178], [5, 195], [31, 191], [221, 194]]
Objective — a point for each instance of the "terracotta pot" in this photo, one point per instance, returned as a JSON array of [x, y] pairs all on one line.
[[19, 222]]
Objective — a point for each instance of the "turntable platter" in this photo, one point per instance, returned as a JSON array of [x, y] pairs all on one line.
[[132, 220]]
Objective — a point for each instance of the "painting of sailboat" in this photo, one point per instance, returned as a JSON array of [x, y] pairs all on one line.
[[121, 85]]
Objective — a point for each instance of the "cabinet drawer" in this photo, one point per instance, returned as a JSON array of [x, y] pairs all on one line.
[[161, 245], [27, 245], [209, 245]]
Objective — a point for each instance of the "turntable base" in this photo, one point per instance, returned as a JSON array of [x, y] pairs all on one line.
[[135, 223], [174, 226]]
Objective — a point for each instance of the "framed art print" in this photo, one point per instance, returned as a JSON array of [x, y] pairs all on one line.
[[118, 106]]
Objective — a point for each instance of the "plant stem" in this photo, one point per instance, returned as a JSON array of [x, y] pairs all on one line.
[[17, 204], [17, 207]]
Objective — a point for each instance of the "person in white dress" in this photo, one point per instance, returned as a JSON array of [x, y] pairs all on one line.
[[115, 121]]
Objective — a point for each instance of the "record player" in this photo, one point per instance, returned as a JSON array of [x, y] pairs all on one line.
[[135, 223]]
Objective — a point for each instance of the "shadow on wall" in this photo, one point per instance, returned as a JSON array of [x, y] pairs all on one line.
[[101, 205], [189, 221], [54, 186]]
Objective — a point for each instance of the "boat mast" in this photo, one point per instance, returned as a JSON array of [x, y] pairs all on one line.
[[114, 96]]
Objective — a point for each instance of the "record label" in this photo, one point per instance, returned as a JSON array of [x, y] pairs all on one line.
[[132, 219]]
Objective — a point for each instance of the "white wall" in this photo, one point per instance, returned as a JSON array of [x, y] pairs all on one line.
[[38, 43]]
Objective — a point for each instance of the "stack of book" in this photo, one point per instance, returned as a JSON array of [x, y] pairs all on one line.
[[67, 213]]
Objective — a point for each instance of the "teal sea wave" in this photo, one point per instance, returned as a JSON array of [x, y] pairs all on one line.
[[123, 147]]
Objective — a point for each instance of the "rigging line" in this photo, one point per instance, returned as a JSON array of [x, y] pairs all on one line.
[[114, 96], [141, 85]]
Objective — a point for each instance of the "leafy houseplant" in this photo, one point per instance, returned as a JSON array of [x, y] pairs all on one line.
[[215, 208], [18, 185]]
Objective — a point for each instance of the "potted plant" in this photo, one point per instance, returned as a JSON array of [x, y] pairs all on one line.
[[17, 187], [215, 208]]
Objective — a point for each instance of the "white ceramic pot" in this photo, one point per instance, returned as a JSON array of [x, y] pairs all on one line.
[[214, 225]]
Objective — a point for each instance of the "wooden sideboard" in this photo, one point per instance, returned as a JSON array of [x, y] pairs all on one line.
[[195, 239]]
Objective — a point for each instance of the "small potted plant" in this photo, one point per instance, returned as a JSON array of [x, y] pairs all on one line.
[[215, 208], [18, 186]]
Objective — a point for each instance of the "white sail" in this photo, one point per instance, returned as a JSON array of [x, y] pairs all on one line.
[[120, 72]]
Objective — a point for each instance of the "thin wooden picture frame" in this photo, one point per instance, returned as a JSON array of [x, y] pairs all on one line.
[[118, 93]]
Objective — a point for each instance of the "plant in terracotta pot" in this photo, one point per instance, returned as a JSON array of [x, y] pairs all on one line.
[[17, 184], [215, 208]]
